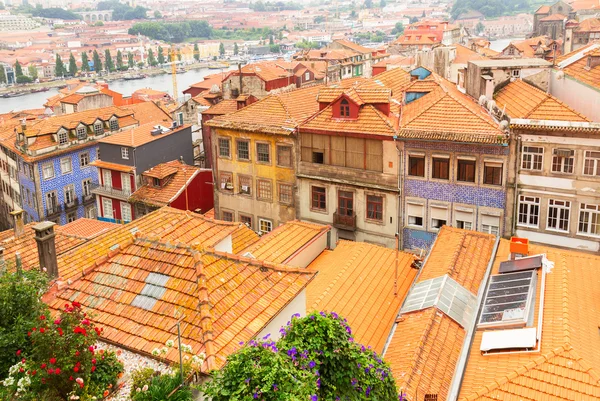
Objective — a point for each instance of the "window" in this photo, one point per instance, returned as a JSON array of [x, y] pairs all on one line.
[[126, 183], [156, 182], [286, 193], [265, 226], [65, 165], [490, 224], [529, 211], [589, 219], [86, 186], [246, 219], [107, 208], [563, 161], [51, 201], [416, 166], [84, 159], [263, 153], [532, 158], [125, 153], [466, 170], [346, 203], [492, 173], [264, 189], [375, 207], [224, 148], [307, 76], [81, 132], [48, 171], [414, 213], [245, 183], [126, 212], [107, 178], [70, 194], [91, 212], [344, 108], [226, 180], [114, 125], [98, 129], [464, 219], [558, 215], [243, 150], [441, 168], [63, 137], [71, 217], [439, 217], [509, 299], [317, 157], [515, 73], [591, 165], [284, 156], [318, 197]]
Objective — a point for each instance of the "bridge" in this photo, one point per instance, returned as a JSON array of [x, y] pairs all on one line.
[[94, 16]]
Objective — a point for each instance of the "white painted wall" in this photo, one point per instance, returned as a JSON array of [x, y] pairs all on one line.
[[309, 253], [559, 240], [583, 98], [298, 305], [225, 245]]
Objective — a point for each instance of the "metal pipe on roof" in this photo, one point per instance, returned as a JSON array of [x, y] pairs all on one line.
[[466, 347]]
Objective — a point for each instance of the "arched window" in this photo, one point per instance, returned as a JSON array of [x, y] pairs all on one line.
[[344, 108]]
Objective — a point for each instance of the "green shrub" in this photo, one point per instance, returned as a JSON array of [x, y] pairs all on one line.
[[161, 386], [140, 378]]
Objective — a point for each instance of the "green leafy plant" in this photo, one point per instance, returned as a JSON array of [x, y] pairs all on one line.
[[140, 378], [161, 387], [108, 370]]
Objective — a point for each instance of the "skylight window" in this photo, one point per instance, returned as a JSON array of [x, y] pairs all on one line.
[[509, 299], [152, 291], [447, 295]]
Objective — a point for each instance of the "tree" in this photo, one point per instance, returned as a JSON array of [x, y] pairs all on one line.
[[21, 307], [85, 63], [151, 60], [157, 14], [108, 62], [275, 48], [271, 42], [382, 3], [99, 23], [479, 28], [97, 61], [196, 52], [33, 72], [398, 29], [119, 60], [59, 69], [72, 65], [236, 49], [130, 61], [368, 3], [315, 358], [161, 56], [2, 74], [18, 69], [222, 49]]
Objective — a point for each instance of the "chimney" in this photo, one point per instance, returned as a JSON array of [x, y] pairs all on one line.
[[44, 236], [18, 222], [489, 87]]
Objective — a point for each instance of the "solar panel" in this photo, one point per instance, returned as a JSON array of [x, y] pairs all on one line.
[[508, 299], [152, 291], [444, 293]]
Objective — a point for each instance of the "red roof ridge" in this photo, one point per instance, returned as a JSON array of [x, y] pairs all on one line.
[[206, 320], [257, 262]]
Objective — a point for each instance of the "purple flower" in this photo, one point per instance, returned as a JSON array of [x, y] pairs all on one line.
[[311, 364], [255, 395], [267, 336], [334, 315], [275, 388], [314, 397]]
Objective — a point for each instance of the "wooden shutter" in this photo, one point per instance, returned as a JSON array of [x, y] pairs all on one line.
[[374, 155], [338, 151], [306, 141], [355, 153]]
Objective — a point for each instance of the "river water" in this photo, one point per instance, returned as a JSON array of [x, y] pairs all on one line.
[[162, 82]]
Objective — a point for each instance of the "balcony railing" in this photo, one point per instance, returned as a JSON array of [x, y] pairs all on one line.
[[73, 204], [53, 209], [344, 221], [88, 198], [111, 191]]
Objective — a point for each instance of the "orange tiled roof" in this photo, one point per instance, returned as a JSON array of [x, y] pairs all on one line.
[[201, 100], [354, 46], [521, 100], [554, 17], [277, 114], [578, 69], [210, 214], [113, 166], [396, 79], [282, 244], [568, 364], [590, 24], [87, 228], [543, 10], [226, 106], [139, 136], [425, 345], [356, 280], [135, 291], [427, 117], [267, 71], [148, 112], [182, 174], [464, 55]]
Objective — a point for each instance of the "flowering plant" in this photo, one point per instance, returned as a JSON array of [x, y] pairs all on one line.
[[315, 358]]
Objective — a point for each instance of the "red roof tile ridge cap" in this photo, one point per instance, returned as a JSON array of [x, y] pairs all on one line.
[[279, 267], [588, 368], [565, 298], [204, 306]]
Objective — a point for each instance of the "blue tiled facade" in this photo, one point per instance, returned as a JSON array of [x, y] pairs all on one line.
[[452, 193], [58, 183]]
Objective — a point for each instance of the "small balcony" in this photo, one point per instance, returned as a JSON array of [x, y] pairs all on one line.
[[344, 221], [87, 199], [106, 190], [73, 204], [52, 210]]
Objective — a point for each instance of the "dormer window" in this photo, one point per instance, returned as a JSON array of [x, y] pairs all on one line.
[[114, 124], [156, 182], [98, 128], [344, 108], [63, 137], [81, 132]]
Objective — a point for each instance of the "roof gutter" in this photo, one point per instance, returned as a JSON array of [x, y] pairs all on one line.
[[465, 351]]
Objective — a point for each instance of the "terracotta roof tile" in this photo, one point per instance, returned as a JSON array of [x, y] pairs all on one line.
[[464, 55], [354, 46], [554, 17], [356, 280], [577, 68], [543, 10], [148, 112], [267, 71], [226, 106], [113, 166], [522, 100], [282, 244], [396, 79], [140, 135], [87, 228], [242, 237]]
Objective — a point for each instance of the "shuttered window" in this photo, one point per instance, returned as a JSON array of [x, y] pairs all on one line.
[[355, 156], [374, 155]]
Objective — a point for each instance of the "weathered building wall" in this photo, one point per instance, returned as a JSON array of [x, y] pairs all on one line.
[[581, 97]]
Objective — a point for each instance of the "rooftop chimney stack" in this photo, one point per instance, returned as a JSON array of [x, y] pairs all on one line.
[[45, 238], [18, 222]]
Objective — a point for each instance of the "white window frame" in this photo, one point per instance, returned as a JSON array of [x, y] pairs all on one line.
[[460, 216], [530, 203], [489, 228], [69, 191], [530, 157], [435, 214], [591, 210], [409, 215], [595, 162], [562, 162], [268, 223], [86, 187], [63, 137], [87, 155], [126, 182], [64, 162], [81, 132], [126, 206], [50, 167], [555, 204], [107, 178], [110, 215], [98, 128], [114, 124], [125, 153]]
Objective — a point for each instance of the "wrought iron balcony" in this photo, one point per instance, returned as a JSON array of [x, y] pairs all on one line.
[[88, 198], [53, 209], [344, 221], [73, 204], [110, 191]]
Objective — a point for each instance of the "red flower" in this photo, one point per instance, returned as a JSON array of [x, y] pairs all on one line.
[[57, 321], [19, 353], [34, 329], [29, 334], [52, 361], [93, 361], [44, 381], [23, 360], [91, 348], [105, 393], [50, 371], [76, 304], [93, 368], [43, 365], [57, 371], [21, 370], [85, 322], [33, 372], [76, 369], [42, 317], [71, 378], [77, 353], [42, 330]]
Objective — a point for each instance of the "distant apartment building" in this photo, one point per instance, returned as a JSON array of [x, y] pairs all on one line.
[[426, 34], [579, 34], [258, 80], [550, 20], [13, 22], [521, 24]]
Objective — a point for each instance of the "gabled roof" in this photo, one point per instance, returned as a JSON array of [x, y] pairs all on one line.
[[285, 241], [396, 79], [147, 112], [277, 114], [226, 106], [86, 228], [353, 46], [543, 10], [554, 17], [522, 100], [464, 55], [267, 71], [356, 280], [140, 135], [589, 25], [574, 64], [180, 176]]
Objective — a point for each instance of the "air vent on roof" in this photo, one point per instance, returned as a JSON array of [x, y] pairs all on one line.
[[134, 230]]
